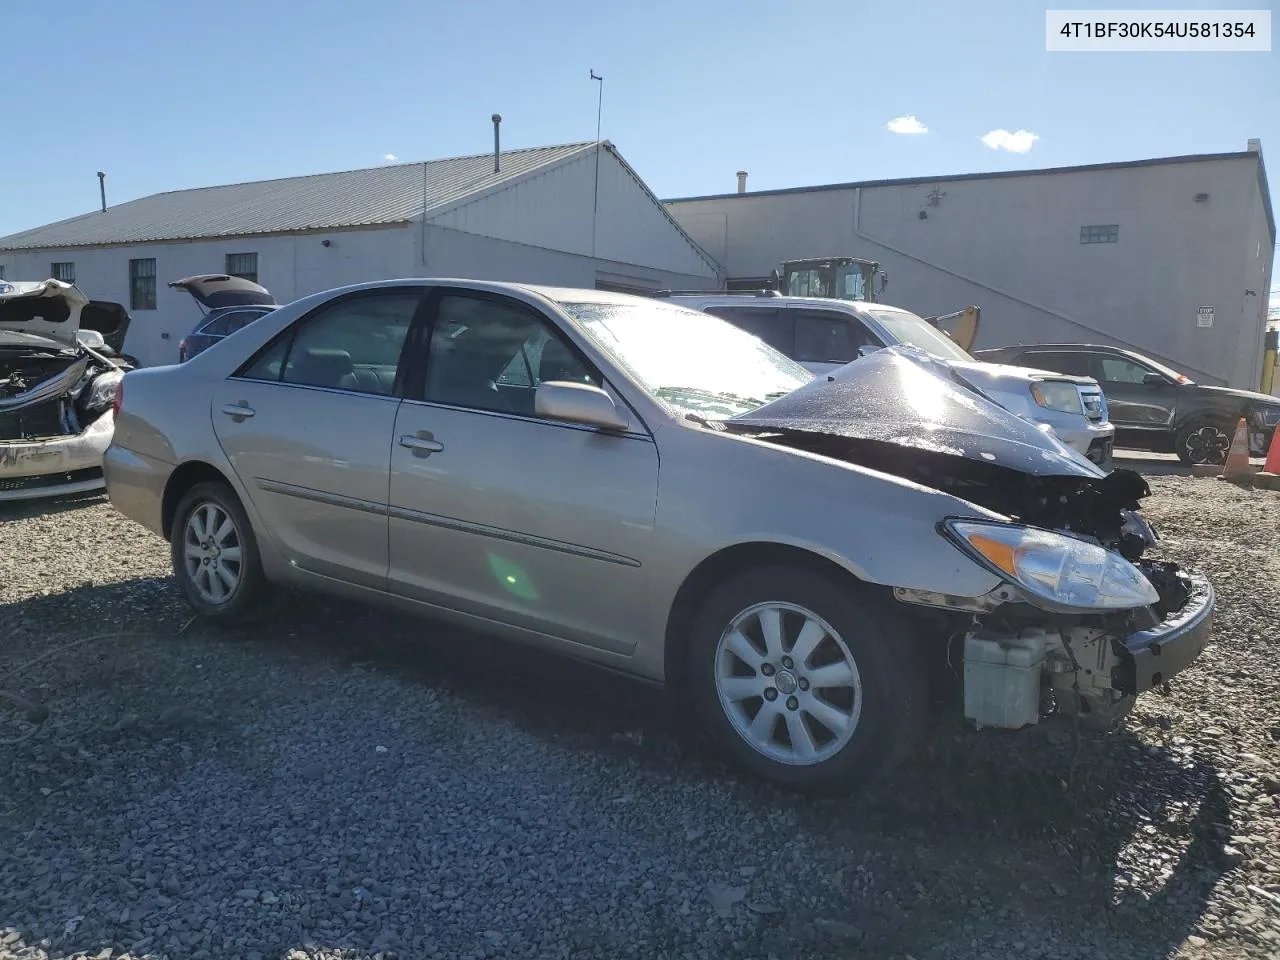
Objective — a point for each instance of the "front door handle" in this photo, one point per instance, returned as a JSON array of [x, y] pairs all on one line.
[[240, 411], [422, 445]]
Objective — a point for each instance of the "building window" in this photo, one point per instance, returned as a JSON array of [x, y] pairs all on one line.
[[1, 271], [142, 284], [66, 272], [243, 265], [1100, 233]]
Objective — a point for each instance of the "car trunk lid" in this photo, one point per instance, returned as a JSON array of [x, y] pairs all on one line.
[[216, 290]]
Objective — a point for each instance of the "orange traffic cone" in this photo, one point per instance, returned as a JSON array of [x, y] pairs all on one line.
[[1237, 466], [1270, 475]]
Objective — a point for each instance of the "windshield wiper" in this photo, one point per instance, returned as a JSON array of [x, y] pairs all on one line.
[[697, 393]]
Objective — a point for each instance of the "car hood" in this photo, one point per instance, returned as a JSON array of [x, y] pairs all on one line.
[[214, 290], [1261, 399], [902, 397], [1004, 374], [47, 308]]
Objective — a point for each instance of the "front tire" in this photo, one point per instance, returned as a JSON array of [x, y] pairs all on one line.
[[1204, 441], [805, 680], [215, 554]]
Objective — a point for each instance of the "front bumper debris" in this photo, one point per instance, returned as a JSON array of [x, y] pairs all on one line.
[[57, 466], [1014, 676], [1150, 657], [1100, 450]]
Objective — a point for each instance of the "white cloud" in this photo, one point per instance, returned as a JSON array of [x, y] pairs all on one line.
[[1019, 142], [390, 157], [908, 124]]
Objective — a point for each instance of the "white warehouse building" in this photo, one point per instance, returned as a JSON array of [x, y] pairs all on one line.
[[572, 215], [1169, 256]]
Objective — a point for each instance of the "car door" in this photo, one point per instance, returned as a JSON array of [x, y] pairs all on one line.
[[827, 339], [500, 514], [1139, 397], [307, 425]]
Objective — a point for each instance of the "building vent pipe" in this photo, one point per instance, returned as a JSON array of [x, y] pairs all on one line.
[[102, 189], [497, 122], [742, 181]]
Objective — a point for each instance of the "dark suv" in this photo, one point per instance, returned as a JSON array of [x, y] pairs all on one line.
[[1154, 407]]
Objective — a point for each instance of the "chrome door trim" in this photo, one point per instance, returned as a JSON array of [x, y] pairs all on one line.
[[511, 536], [585, 428], [321, 496]]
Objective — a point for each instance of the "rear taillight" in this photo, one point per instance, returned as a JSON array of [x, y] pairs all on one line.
[[118, 400]]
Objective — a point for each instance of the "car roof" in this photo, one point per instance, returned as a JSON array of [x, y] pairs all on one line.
[[751, 299]]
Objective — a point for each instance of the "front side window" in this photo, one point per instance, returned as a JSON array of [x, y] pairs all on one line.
[[1123, 370], [824, 336], [142, 284], [491, 354], [692, 362], [353, 344]]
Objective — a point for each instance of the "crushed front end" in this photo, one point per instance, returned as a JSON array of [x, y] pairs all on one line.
[[1083, 620], [56, 395]]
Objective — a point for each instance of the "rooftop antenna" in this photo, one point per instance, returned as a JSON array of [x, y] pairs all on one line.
[[595, 194]]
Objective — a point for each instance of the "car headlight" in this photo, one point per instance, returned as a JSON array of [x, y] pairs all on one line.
[[1057, 395], [1270, 416], [102, 390], [1063, 572]]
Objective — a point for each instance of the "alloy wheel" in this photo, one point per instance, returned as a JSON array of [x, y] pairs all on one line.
[[212, 552], [1207, 444], [788, 683]]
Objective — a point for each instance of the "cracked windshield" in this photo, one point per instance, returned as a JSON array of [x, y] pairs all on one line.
[[665, 481]]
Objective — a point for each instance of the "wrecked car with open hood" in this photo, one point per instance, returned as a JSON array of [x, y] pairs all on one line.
[[652, 489], [60, 363], [1075, 624]]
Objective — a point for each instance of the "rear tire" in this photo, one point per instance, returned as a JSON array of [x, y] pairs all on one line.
[[215, 554], [1204, 441], [805, 680]]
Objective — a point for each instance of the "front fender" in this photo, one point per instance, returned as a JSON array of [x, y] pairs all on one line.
[[717, 490]]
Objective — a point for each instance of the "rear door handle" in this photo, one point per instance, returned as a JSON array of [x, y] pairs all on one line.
[[238, 411], [421, 445]]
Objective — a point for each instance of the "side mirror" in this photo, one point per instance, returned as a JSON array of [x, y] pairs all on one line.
[[578, 403], [1153, 380]]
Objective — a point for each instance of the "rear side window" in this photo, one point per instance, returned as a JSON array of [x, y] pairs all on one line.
[[353, 344], [1067, 361], [773, 326]]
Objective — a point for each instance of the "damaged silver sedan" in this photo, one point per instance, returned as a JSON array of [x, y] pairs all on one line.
[[652, 489], [59, 368]]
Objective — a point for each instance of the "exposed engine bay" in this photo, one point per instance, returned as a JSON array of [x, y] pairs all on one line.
[[48, 393], [58, 379], [896, 413]]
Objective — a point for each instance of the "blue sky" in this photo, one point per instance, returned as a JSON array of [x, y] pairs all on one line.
[[164, 95]]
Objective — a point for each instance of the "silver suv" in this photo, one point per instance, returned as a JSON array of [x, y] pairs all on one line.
[[823, 335]]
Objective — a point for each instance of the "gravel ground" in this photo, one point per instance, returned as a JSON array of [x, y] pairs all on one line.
[[347, 783]]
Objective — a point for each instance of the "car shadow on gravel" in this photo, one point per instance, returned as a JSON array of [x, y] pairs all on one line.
[[1024, 826], [28, 509]]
